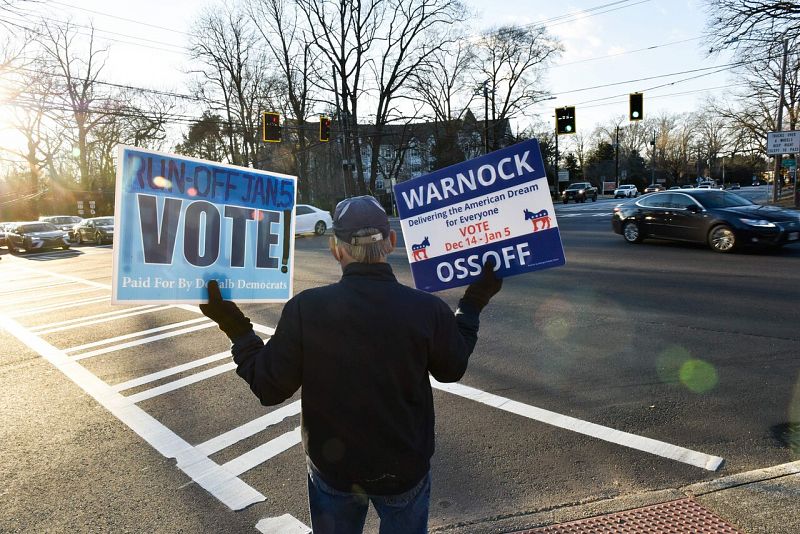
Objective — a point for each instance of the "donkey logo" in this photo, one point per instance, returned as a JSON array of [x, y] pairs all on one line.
[[420, 249], [538, 217]]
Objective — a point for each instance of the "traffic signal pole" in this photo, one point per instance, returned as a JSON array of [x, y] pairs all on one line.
[[776, 175]]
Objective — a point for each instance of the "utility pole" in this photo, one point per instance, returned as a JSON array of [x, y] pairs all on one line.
[[343, 139], [616, 158], [776, 175], [558, 184], [485, 117], [653, 165]]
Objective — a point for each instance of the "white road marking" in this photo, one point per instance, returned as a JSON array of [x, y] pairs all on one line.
[[262, 453], [183, 382], [60, 306], [45, 272], [146, 379], [95, 319], [143, 341], [284, 524], [30, 288], [652, 446], [52, 295], [228, 488], [140, 333], [248, 429]]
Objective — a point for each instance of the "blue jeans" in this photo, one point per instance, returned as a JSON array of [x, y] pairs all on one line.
[[339, 512]]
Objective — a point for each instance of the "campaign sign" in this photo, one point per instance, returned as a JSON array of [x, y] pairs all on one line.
[[497, 206], [180, 222]]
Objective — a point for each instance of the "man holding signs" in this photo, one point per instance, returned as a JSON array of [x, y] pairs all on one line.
[[361, 349]]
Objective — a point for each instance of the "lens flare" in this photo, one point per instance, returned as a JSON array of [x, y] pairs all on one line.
[[698, 376], [675, 365], [163, 183], [555, 318]]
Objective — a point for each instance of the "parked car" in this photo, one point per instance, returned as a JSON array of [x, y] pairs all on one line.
[[63, 222], [34, 235], [96, 230], [724, 221], [674, 187], [655, 188], [310, 219], [687, 186], [579, 192], [734, 185], [626, 191]]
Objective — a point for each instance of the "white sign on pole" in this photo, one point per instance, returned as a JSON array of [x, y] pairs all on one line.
[[563, 176], [783, 143]]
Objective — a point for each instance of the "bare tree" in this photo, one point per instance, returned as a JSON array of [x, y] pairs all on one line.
[[512, 62], [345, 31], [78, 88], [290, 41], [750, 26], [225, 43], [415, 30]]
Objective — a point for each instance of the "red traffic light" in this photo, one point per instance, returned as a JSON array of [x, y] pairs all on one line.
[[272, 127], [324, 129]]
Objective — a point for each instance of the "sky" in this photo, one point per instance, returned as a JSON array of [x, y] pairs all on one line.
[[625, 41]]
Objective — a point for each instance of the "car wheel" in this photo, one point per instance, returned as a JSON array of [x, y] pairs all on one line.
[[631, 233], [721, 238], [65, 247], [594, 198], [98, 239], [79, 239], [320, 228]]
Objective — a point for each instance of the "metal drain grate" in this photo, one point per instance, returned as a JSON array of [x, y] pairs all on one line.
[[683, 516]]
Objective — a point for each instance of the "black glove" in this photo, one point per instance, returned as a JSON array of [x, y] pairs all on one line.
[[225, 313], [479, 292]]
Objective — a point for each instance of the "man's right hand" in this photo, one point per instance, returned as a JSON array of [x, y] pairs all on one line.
[[225, 313], [479, 293]]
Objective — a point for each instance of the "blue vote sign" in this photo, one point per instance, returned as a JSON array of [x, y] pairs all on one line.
[[496, 206], [180, 222]]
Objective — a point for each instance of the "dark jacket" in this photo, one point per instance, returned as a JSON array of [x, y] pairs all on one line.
[[362, 349]]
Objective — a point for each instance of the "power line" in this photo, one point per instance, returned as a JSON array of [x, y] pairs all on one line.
[[119, 18], [652, 47]]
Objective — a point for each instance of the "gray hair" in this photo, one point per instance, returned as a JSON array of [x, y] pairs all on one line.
[[369, 253]]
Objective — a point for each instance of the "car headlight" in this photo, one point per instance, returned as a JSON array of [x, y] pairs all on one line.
[[761, 223], [582, 191]]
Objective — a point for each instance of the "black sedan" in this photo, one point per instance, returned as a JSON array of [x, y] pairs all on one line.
[[724, 221], [96, 230], [31, 236]]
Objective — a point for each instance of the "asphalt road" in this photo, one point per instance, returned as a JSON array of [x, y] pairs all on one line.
[[696, 351]]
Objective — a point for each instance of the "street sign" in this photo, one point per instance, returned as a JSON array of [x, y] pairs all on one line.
[[496, 206], [783, 143], [563, 176], [180, 222], [789, 163]]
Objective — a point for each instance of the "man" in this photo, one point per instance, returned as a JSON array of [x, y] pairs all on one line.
[[361, 349]]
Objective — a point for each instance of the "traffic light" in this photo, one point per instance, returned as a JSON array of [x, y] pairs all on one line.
[[324, 129], [636, 108], [272, 127], [565, 120]]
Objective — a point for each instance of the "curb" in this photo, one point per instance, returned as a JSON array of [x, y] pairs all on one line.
[[526, 520]]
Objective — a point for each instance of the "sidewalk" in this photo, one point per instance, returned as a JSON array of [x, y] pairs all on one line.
[[763, 501]]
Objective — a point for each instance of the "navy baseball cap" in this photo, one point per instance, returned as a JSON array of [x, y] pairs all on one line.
[[357, 213]]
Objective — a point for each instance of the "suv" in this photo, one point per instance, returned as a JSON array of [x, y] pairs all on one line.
[[579, 192], [626, 191]]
